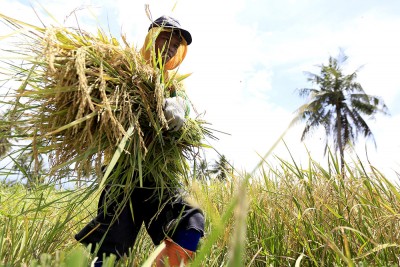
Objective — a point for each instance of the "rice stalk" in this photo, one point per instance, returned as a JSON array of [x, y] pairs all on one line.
[[79, 95]]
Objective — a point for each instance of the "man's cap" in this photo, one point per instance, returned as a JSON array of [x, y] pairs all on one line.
[[169, 22]]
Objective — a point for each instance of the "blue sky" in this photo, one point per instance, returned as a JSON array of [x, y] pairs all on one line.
[[248, 59]]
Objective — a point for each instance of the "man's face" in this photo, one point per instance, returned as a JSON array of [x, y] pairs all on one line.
[[168, 43]]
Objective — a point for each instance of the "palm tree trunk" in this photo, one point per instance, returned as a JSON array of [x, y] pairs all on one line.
[[339, 138]]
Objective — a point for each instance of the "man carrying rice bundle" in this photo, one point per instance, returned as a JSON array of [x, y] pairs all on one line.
[[167, 217]]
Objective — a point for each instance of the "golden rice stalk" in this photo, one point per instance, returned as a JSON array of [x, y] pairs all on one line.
[[80, 94]]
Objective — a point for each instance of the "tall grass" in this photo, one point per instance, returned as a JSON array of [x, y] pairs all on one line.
[[317, 215], [283, 216], [37, 221]]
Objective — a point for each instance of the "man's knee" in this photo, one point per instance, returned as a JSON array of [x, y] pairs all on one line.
[[187, 238]]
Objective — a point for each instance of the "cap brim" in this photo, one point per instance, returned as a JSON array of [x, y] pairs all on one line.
[[185, 34]]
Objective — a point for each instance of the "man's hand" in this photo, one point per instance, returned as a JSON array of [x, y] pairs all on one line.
[[174, 112]]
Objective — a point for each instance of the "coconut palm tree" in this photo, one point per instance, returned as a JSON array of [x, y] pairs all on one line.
[[338, 103], [221, 168], [5, 144], [202, 171]]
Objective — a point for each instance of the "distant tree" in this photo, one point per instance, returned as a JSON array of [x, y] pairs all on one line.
[[202, 170], [30, 167], [5, 144], [338, 103], [221, 168]]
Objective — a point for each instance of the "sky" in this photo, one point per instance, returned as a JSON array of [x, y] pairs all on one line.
[[248, 60]]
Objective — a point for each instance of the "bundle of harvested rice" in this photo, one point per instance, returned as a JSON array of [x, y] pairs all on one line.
[[91, 102]]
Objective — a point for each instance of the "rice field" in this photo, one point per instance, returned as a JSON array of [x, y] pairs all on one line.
[[285, 216], [278, 215]]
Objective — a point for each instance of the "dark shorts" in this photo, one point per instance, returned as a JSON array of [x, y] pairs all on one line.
[[162, 214]]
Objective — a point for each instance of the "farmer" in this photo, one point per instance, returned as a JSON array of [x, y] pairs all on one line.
[[167, 217]]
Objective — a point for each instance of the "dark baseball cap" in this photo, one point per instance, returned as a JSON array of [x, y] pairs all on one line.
[[169, 22]]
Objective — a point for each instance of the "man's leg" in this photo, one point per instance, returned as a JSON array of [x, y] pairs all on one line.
[[179, 249], [113, 234], [179, 225]]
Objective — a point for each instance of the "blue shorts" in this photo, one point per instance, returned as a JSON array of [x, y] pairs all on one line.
[[187, 238]]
